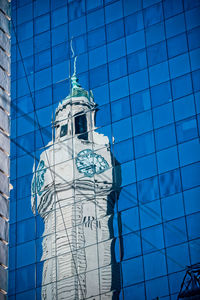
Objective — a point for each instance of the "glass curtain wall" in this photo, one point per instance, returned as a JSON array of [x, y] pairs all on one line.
[[105, 170]]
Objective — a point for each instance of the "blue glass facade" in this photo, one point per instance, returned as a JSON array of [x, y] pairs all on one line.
[[141, 59]]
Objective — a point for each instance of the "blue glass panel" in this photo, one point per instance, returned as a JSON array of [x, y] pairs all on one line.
[[138, 81], [154, 265], [123, 151], [137, 290], [24, 105], [25, 278], [167, 159], [43, 98], [115, 30], [25, 124], [118, 130], [24, 14], [42, 24], [175, 281], [77, 27], [128, 242], [129, 276], [90, 4], [23, 212], [41, 8], [113, 12], [172, 8], [26, 160], [174, 201], [25, 144], [26, 49], [147, 3], [142, 123], [177, 45], [44, 116], [60, 53], [190, 4], [152, 239], [117, 68], [157, 288], [96, 38], [150, 214], [195, 58], [24, 86], [98, 76], [119, 88], [144, 144], [148, 190], [179, 65], [193, 38], [60, 71], [181, 86], [146, 167], [26, 254], [157, 53], [191, 199], [26, 295], [160, 137], [194, 251], [195, 79], [43, 136], [131, 6], [158, 73], [189, 152], [95, 19], [175, 232], [135, 41], [170, 183], [60, 90], [140, 102], [190, 176], [192, 18], [137, 61], [101, 94], [127, 173], [12, 260], [130, 220], [161, 94], [175, 25], [116, 49], [59, 35], [13, 211], [153, 15], [11, 283], [76, 9], [42, 60], [133, 23], [155, 34], [163, 115], [193, 222], [42, 78], [24, 186], [103, 116], [184, 108], [177, 258], [25, 31], [12, 235], [101, 54], [127, 197], [42, 41]]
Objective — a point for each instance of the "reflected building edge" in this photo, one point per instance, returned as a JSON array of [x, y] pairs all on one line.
[[74, 191]]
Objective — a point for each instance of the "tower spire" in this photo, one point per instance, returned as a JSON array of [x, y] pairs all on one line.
[[74, 79]]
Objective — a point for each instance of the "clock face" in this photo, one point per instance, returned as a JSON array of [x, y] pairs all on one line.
[[38, 181], [90, 163]]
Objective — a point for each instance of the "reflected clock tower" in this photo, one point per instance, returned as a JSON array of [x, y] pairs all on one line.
[[74, 190]]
